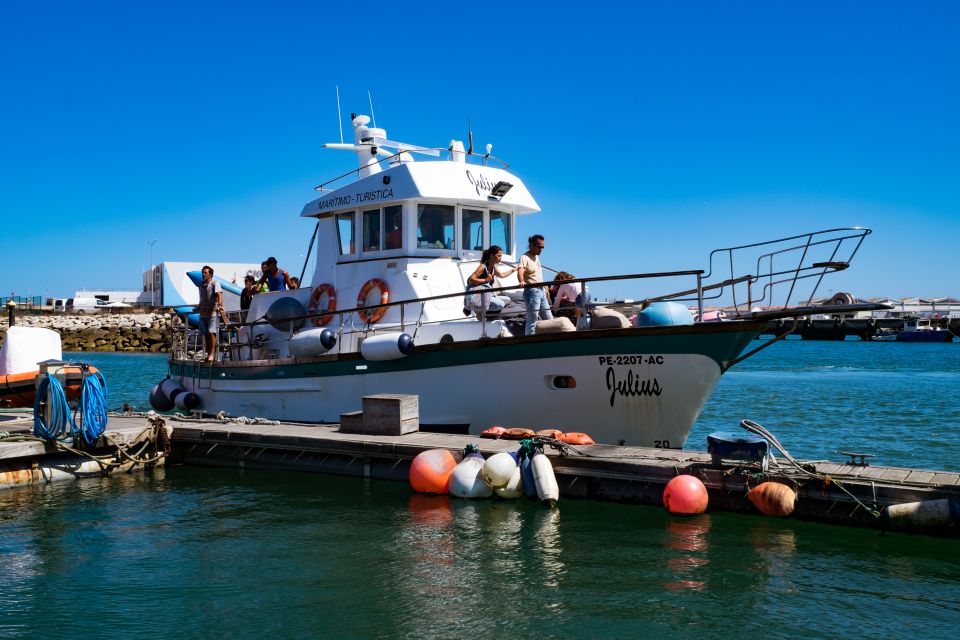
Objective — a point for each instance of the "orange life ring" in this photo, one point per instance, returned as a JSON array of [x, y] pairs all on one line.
[[318, 291], [373, 283]]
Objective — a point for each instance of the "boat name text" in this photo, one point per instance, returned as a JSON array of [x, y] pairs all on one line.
[[481, 184], [608, 360], [359, 197], [631, 386]]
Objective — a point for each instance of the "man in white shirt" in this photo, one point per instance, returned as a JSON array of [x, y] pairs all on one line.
[[530, 273]]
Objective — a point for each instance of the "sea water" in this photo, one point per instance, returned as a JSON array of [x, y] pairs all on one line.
[[194, 552]]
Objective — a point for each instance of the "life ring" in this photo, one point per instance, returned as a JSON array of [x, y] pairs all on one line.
[[318, 291], [373, 283]]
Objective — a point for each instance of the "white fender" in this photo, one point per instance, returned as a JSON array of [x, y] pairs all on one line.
[[498, 469], [514, 487], [465, 482], [312, 342], [387, 346], [547, 490], [170, 388], [187, 400]]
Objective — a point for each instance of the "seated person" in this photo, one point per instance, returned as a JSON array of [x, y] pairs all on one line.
[[568, 297]]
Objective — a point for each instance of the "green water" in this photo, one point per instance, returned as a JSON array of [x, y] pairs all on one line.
[[196, 553]]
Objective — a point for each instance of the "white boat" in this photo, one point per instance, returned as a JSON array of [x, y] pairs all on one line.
[[384, 313]]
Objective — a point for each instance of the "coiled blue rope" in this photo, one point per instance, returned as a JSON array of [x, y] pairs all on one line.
[[93, 408], [61, 422]]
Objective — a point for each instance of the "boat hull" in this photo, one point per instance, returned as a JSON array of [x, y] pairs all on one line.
[[924, 336], [639, 387]]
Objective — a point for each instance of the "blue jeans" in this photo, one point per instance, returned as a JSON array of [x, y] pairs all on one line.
[[536, 301]]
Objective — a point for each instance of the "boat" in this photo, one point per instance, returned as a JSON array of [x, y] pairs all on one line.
[[884, 335], [921, 330], [395, 240], [27, 354]]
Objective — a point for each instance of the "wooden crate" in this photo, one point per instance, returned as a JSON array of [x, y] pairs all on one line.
[[352, 422], [391, 414]]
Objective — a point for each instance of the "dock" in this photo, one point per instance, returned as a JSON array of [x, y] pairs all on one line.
[[843, 493]]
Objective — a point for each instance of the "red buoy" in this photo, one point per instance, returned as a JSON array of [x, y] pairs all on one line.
[[685, 495], [430, 471]]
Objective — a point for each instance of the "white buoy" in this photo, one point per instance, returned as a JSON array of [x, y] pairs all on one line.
[[547, 490], [387, 346], [514, 487], [312, 342], [498, 469], [466, 482]]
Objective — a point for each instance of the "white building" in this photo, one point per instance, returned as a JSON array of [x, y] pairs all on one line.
[[168, 285]]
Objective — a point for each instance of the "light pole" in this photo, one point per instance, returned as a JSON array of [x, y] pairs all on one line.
[[153, 298]]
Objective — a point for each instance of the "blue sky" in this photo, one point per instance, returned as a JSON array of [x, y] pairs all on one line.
[[650, 132]]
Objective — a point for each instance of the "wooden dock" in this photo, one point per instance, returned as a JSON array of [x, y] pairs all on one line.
[[840, 493]]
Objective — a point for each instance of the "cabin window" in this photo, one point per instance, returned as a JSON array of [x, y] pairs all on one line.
[[472, 229], [345, 232], [435, 226], [500, 230], [393, 217], [371, 230]]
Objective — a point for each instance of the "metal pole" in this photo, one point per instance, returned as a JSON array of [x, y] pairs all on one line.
[[700, 297], [12, 312]]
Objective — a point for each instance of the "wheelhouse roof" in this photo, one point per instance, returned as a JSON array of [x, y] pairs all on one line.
[[436, 181]]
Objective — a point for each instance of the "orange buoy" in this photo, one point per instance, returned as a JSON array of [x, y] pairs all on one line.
[[518, 433], [492, 432], [685, 495], [773, 499], [575, 437], [550, 433], [430, 471]]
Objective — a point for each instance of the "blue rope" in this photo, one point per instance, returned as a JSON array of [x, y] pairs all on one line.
[[60, 418], [93, 407]]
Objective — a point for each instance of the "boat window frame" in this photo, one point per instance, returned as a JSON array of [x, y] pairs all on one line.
[[511, 241], [416, 249], [469, 251], [354, 254], [363, 230]]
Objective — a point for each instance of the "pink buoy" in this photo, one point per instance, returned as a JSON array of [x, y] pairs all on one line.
[[685, 495], [430, 471]]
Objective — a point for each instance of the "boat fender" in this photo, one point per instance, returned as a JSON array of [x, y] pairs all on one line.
[[660, 314], [465, 481], [312, 342], [324, 318], [387, 346], [158, 400], [575, 437], [529, 486], [187, 401], [285, 314], [927, 514], [685, 495], [170, 388], [493, 432], [518, 433], [514, 487], [773, 499], [550, 433], [377, 314], [498, 469], [430, 471], [543, 477]]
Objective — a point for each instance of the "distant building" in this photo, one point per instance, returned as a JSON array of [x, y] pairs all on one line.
[[167, 284]]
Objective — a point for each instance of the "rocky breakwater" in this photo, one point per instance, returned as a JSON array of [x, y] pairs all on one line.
[[103, 332]]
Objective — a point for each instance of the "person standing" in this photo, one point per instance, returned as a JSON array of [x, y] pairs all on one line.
[[275, 278], [211, 304], [530, 273], [246, 296]]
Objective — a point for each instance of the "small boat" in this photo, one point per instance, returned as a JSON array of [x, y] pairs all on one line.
[[884, 335], [23, 352], [396, 240], [920, 330]]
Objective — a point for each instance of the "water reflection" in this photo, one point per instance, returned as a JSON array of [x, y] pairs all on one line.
[[687, 547]]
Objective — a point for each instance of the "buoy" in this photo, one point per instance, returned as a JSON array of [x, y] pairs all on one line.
[[170, 388], [158, 400], [550, 433], [286, 314], [465, 481], [546, 482], [575, 437], [514, 487], [526, 472], [773, 499], [518, 433], [387, 346], [659, 314], [312, 342], [430, 471], [685, 495], [927, 514], [186, 400], [492, 432], [498, 469]]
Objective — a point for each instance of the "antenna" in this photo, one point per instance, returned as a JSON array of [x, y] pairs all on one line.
[[372, 114], [470, 137], [339, 117]]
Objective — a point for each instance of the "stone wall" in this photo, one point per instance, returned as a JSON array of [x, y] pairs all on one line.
[[103, 332]]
